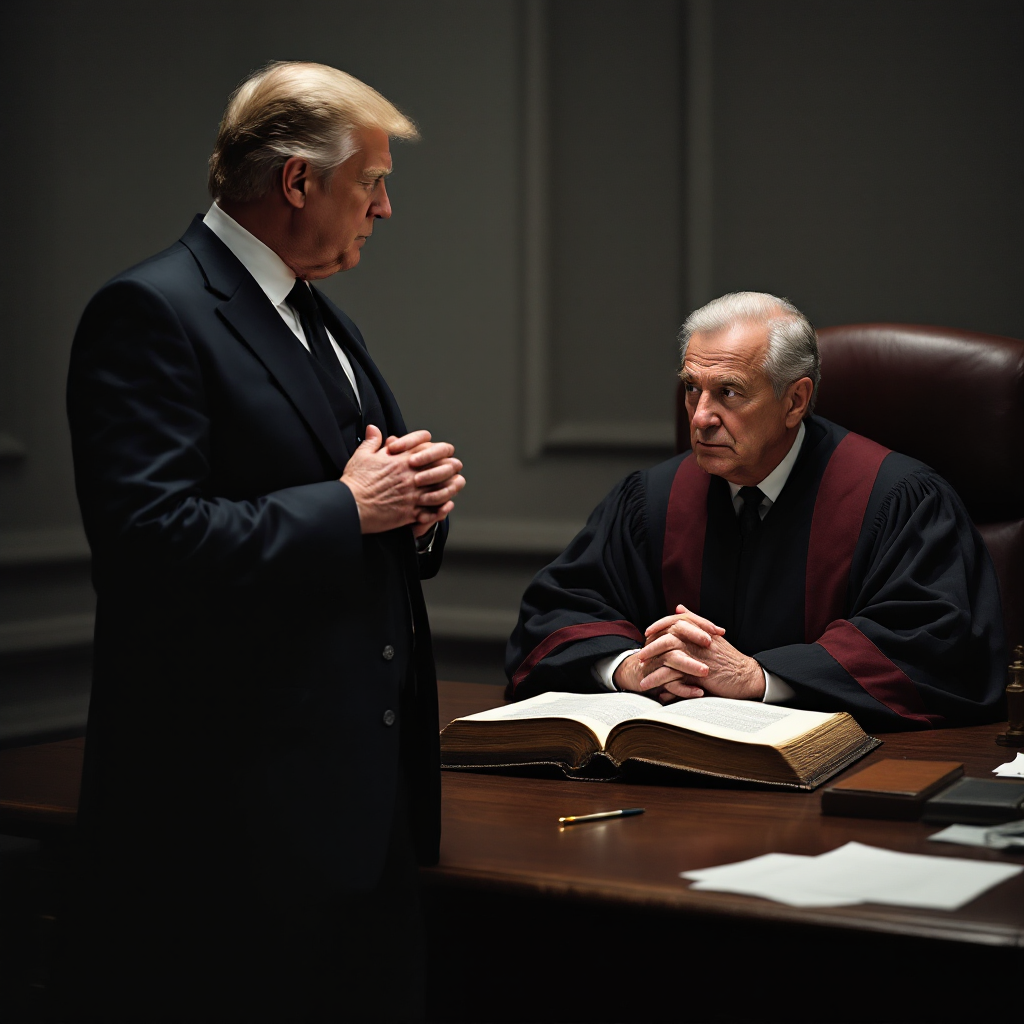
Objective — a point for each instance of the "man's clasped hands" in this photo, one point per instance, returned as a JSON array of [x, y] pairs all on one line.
[[401, 481], [685, 655]]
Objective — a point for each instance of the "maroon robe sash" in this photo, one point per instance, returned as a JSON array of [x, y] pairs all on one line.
[[835, 529], [570, 634], [686, 523], [875, 673]]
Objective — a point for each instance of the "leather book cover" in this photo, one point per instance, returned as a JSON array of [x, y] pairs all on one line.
[[893, 788], [977, 802]]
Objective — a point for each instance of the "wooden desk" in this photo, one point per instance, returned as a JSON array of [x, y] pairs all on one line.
[[39, 787], [604, 901], [526, 922]]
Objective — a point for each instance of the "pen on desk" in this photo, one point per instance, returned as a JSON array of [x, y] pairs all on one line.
[[626, 812]]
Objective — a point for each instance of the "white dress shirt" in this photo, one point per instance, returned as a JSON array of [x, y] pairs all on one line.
[[273, 276], [776, 690]]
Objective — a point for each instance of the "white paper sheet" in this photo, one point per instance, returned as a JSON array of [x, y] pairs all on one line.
[[996, 837], [965, 835], [1012, 769], [767, 862], [774, 876], [856, 873]]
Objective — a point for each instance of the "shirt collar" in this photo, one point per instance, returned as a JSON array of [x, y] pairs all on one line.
[[271, 273], [771, 486]]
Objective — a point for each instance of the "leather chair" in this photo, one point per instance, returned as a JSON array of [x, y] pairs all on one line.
[[953, 399]]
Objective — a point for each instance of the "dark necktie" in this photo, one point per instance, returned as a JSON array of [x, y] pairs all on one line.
[[750, 513], [301, 299], [750, 524]]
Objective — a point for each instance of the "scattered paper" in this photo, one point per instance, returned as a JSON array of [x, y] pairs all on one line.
[[965, 835], [775, 876], [1013, 769], [856, 873], [995, 837]]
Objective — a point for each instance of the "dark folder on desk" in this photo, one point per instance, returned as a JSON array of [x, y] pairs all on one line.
[[977, 802]]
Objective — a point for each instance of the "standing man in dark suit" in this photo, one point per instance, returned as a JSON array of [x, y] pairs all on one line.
[[261, 769]]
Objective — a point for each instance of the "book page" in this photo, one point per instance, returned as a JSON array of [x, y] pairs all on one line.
[[747, 721], [599, 712]]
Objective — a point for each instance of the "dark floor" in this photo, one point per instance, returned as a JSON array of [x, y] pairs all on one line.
[[28, 896]]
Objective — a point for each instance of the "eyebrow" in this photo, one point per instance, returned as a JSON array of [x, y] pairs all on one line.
[[726, 381], [376, 172]]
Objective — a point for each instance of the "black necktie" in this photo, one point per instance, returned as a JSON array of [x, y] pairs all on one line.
[[750, 523], [750, 513], [301, 299]]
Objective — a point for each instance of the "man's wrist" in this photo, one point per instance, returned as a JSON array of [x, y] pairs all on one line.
[[604, 669], [758, 681]]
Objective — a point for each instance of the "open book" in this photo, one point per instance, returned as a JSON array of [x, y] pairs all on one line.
[[731, 739]]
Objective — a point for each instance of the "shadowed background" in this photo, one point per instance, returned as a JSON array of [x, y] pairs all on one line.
[[589, 172]]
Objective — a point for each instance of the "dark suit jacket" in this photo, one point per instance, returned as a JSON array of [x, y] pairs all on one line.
[[251, 644]]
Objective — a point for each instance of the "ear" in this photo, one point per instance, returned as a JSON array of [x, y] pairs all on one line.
[[798, 397], [294, 176]]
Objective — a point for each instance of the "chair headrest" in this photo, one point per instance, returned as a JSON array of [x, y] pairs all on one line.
[[953, 399]]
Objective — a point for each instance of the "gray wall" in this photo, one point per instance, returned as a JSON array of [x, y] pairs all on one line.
[[589, 171], [868, 158]]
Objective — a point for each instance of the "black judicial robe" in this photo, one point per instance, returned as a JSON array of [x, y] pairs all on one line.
[[870, 590]]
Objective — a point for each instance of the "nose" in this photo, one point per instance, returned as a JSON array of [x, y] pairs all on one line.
[[382, 207], [705, 414]]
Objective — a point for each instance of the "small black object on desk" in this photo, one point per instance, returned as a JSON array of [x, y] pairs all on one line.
[[1014, 735], [977, 802]]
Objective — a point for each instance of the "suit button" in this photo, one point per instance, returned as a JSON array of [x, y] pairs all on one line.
[[389, 717], [388, 653]]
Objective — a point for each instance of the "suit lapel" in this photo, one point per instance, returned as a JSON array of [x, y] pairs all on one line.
[[248, 311], [258, 324]]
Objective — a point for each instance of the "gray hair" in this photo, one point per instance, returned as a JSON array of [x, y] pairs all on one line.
[[792, 341], [293, 108]]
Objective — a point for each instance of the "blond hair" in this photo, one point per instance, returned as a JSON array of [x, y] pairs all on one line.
[[294, 108]]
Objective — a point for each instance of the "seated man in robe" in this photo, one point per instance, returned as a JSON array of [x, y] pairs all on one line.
[[783, 559]]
